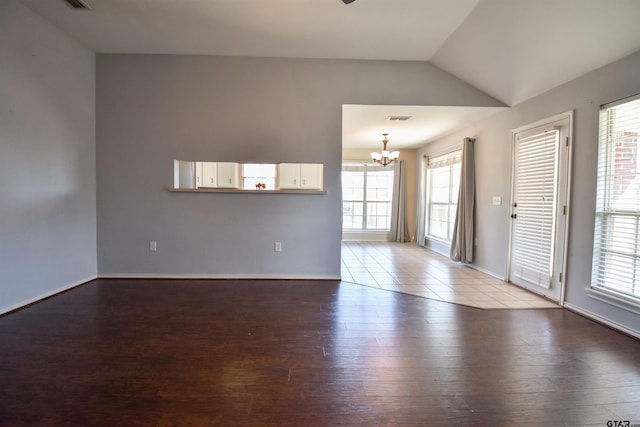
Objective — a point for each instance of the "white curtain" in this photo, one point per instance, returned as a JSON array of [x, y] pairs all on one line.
[[462, 239], [399, 228], [419, 237]]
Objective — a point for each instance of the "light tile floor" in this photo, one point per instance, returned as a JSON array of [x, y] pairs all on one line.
[[411, 269]]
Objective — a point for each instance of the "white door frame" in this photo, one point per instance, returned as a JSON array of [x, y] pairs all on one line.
[[548, 121]]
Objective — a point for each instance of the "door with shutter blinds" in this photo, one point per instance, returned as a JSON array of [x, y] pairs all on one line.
[[539, 207]]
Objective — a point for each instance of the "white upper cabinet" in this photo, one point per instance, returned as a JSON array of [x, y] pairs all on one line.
[[311, 177], [307, 176], [208, 174], [228, 175], [289, 175], [217, 175]]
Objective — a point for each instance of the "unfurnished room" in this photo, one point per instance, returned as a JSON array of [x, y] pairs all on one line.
[[320, 212]]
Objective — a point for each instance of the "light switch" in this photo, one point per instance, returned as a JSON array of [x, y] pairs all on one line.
[[497, 200]]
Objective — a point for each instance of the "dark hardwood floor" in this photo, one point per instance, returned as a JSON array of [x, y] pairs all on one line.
[[171, 352]]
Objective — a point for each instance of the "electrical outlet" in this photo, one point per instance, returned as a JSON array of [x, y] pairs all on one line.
[[277, 247], [153, 246]]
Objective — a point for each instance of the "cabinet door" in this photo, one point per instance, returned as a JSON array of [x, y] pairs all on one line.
[[198, 173], [311, 176], [209, 174], [289, 175], [228, 175]]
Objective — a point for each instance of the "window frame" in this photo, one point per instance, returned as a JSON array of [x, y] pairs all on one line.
[[367, 168], [448, 160], [606, 242]]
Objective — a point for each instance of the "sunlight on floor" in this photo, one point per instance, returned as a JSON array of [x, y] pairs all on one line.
[[410, 269]]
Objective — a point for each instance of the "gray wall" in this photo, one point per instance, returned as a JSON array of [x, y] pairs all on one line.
[[47, 159], [493, 167], [152, 109]]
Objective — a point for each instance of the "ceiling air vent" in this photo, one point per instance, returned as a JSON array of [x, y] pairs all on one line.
[[394, 118], [77, 4]]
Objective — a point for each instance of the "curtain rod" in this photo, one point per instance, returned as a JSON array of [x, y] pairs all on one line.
[[449, 148]]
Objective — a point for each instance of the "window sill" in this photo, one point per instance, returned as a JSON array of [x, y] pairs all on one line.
[[238, 190], [438, 240], [361, 231], [613, 299]]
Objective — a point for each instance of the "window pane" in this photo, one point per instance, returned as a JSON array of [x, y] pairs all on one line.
[[439, 221], [442, 196], [352, 193], [439, 229], [440, 212], [440, 177], [352, 215], [455, 185], [378, 215], [379, 185], [352, 185], [452, 219]]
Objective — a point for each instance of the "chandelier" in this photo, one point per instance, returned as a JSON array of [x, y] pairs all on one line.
[[385, 157]]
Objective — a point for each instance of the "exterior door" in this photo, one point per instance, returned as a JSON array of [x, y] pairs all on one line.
[[539, 207]]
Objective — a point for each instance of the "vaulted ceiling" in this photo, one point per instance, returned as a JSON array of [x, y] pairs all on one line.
[[512, 50]]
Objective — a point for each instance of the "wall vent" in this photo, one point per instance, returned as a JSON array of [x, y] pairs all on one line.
[[77, 4], [403, 118]]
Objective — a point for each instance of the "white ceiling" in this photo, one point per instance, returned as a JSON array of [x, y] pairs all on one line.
[[363, 125], [512, 50]]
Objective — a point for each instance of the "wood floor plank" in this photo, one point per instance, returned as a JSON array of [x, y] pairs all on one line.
[[241, 352]]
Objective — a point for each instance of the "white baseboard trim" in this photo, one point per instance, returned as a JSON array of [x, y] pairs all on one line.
[[365, 236], [21, 304], [603, 320], [216, 276], [487, 272]]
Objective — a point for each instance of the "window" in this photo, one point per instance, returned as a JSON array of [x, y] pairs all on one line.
[[616, 252], [258, 173], [367, 190], [442, 195]]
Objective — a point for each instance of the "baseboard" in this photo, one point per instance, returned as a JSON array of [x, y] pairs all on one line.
[[603, 320], [216, 276], [487, 272], [33, 300]]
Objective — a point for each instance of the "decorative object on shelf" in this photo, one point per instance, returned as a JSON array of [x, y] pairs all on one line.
[[385, 157], [261, 186]]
